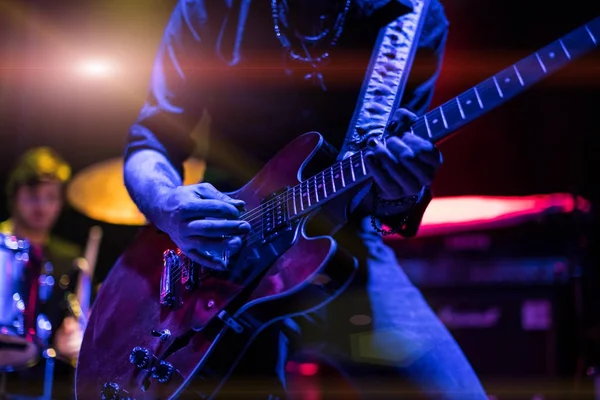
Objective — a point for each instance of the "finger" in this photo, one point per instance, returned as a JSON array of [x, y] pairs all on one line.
[[419, 168], [423, 149], [381, 177], [203, 208], [208, 191], [216, 228], [403, 178], [401, 121]]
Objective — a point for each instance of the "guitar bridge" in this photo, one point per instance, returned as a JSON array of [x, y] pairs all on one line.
[[178, 272]]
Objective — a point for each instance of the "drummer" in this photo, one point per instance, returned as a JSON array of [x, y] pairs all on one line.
[[35, 197]]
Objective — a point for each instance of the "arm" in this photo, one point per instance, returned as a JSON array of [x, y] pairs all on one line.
[[200, 220], [159, 141], [406, 215]]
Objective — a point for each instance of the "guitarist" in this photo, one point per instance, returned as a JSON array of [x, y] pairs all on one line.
[[35, 196], [268, 71]]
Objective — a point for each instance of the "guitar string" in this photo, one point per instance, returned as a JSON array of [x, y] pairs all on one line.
[[306, 189], [290, 193], [451, 105], [256, 233], [256, 220]]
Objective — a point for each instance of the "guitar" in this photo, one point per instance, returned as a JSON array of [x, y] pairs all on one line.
[[164, 325]]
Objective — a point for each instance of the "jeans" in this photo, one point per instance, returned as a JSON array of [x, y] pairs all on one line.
[[380, 334]]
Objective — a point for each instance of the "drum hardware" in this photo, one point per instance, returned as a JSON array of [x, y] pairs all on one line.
[[78, 303], [23, 334], [49, 355], [19, 346]]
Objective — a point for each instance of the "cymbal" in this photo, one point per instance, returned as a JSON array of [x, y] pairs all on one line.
[[99, 192]]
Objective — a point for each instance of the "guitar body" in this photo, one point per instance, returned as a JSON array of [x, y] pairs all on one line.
[[207, 329]]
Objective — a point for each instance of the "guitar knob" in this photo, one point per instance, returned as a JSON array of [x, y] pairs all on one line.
[[110, 391], [163, 372], [140, 357]]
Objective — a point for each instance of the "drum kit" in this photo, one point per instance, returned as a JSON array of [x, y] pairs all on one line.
[[97, 192]]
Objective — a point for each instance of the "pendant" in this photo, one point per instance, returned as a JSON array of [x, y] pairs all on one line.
[[316, 78]]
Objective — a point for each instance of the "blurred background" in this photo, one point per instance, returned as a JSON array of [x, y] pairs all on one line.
[[521, 297]]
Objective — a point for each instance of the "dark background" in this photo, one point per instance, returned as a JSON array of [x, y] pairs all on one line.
[[544, 141]]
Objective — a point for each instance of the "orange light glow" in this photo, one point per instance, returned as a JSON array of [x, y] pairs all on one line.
[[96, 68]]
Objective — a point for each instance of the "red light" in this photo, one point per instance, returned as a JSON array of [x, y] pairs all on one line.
[[308, 369]]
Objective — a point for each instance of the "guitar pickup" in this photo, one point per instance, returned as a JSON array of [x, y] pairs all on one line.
[[170, 286]]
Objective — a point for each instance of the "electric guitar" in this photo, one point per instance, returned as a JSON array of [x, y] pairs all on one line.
[[163, 325]]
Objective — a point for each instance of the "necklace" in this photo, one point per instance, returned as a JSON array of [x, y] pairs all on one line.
[[278, 9]]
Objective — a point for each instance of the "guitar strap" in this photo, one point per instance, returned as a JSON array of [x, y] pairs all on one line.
[[386, 78]]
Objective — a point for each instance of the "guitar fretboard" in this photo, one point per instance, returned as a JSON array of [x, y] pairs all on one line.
[[437, 124], [440, 122]]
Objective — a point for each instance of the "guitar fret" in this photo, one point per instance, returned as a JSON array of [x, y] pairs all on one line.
[[530, 70], [498, 87], [427, 125], [316, 189], [294, 200], [309, 193], [362, 163], [469, 104], [321, 189], [462, 113], [565, 49], [332, 180], [541, 63], [348, 175], [301, 196], [443, 117], [341, 163], [452, 114], [591, 35], [518, 74], [478, 98], [509, 82], [358, 167], [435, 121]]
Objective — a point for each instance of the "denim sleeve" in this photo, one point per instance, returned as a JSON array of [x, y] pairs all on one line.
[[175, 101], [419, 92]]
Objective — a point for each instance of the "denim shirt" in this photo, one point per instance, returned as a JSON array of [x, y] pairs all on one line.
[[223, 57]]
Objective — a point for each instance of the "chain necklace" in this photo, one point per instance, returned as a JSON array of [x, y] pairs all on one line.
[[278, 8]]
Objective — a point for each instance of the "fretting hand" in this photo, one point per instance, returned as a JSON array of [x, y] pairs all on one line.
[[203, 222], [403, 164]]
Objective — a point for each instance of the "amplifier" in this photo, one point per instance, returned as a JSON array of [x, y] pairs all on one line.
[[521, 340]]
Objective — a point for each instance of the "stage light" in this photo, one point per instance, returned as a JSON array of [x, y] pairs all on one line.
[[96, 68], [308, 369]]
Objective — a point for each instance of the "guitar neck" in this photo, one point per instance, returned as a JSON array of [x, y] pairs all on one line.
[[439, 123]]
